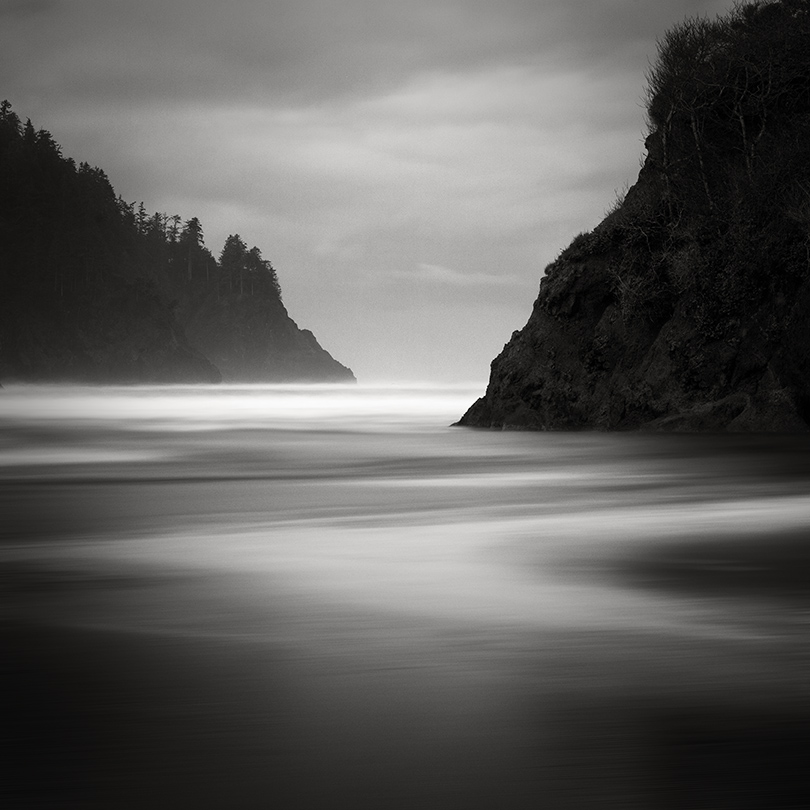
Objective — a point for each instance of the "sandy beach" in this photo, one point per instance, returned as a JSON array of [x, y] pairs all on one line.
[[294, 615]]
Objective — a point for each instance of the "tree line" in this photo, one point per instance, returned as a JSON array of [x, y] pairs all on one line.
[[66, 237]]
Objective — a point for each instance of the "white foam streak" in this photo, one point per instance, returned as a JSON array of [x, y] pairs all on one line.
[[290, 407]]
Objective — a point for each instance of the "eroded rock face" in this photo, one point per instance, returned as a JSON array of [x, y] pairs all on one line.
[[626, 337], [688, 307]]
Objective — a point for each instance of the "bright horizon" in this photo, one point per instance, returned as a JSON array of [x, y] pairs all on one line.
[[409, 170]]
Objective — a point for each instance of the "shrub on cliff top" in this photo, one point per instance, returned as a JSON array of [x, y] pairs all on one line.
[[722, 91]]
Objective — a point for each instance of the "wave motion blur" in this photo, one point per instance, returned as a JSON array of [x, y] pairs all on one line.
[[383, 595]]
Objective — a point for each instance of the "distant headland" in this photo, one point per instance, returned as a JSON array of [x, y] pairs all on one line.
[[96, 290], [688, 307]]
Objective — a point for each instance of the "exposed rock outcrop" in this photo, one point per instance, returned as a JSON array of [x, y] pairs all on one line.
[[686, 309]]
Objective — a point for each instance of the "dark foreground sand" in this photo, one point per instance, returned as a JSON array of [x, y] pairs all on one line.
[[291, 704], [329, 620]]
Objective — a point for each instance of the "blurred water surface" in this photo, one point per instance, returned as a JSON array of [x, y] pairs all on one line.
[[311, 596]]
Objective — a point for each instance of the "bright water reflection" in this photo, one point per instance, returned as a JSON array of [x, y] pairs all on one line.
[[240, 595]]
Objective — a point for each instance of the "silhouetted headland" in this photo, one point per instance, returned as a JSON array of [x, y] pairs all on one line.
[[94, 289], [685, 309]]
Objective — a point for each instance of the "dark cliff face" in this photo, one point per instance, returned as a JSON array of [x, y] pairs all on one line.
[[581, 363], [687, 307], [253, 339], [130, 337], [94, 290]]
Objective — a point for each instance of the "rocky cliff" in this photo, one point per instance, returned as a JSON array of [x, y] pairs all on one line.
[[94, 290], [686, 309]]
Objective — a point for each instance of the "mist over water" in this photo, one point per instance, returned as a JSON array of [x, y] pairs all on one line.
[[311, 596]]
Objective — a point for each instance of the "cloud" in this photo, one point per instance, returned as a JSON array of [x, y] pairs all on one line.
[[449, 169], [26, 8], [437, 274], [361, 145], [306, 51]]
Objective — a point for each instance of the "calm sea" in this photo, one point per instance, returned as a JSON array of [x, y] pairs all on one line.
[[325, 596]]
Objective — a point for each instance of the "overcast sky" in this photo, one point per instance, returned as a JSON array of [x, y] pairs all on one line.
[[409, 167]]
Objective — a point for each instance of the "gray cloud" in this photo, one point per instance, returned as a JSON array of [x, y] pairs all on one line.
[[10, 9], [305, 51], [367, 146]]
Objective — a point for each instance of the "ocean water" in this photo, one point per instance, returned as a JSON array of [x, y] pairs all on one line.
[[325, 596]]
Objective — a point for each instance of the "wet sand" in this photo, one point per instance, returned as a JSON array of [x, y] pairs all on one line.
[[315, 612], [150, 690]]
